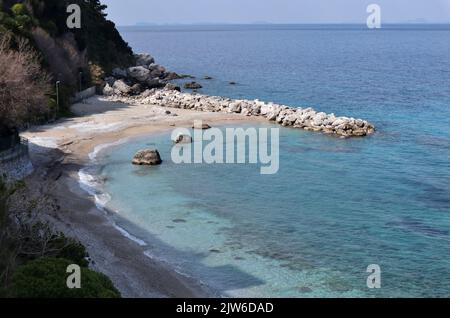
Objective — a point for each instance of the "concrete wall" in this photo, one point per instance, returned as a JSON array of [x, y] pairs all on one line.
[[16, 165], [83, 95], [16, 169]]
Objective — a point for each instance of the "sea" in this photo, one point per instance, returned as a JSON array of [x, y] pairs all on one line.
[[336, 206]]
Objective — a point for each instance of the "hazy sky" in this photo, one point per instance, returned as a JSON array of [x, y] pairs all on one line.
[[276, 11]]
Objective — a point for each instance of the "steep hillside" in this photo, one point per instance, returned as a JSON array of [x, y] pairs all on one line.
[[95, 48]]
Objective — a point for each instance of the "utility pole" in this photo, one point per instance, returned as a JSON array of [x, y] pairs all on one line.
[[57, 98], [80, 79]]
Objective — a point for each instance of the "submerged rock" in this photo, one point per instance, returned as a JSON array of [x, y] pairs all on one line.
[[147, 158], [172, 87], [171, 76], [187, 76], [192, 85], [305, 289]]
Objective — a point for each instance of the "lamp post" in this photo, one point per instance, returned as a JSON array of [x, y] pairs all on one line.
[[57, 98]]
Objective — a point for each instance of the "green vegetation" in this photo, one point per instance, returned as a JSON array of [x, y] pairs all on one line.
[[46, 278], [17, 19], [34, 258], [19, 9], [106, 49]]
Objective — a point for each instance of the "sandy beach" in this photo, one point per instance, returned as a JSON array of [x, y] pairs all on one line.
[[58, 152]]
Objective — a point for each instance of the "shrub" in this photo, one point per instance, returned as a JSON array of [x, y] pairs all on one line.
[[19, 9], [38, 239], [72, 250], [50, 27], [23, 84], [3, 16], [4, 194], [22, 19], [46, 278], [8, 23], [96, 74], [23, 22]]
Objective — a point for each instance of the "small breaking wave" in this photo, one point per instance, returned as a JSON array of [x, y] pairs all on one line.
[[130, 236], [90, 182], [93, 155]]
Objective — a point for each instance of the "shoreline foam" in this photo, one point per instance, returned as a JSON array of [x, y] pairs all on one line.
[[91, 184]]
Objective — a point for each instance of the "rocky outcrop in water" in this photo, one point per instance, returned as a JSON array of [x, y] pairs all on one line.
[[183, 139], [192, 85], [147, 158], [173, 87], [296, 117]]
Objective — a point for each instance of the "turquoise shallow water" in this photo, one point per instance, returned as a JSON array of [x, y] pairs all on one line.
[[336, 205]]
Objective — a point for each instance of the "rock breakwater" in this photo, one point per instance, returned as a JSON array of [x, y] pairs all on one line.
[[148, 83], [297, 117]]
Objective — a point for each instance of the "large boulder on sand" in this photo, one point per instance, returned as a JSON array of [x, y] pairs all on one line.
[[121, 88], [139, 73], [144, 59], [108, 90], [136, 89], [147, 157]]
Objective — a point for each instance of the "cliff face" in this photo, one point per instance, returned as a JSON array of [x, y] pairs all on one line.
[[95, 48]]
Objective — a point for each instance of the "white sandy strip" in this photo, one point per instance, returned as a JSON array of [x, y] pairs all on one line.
[[95, 127], [46, 142]]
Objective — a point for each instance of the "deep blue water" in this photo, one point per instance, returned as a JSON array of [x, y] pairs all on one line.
[[336, 205]]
